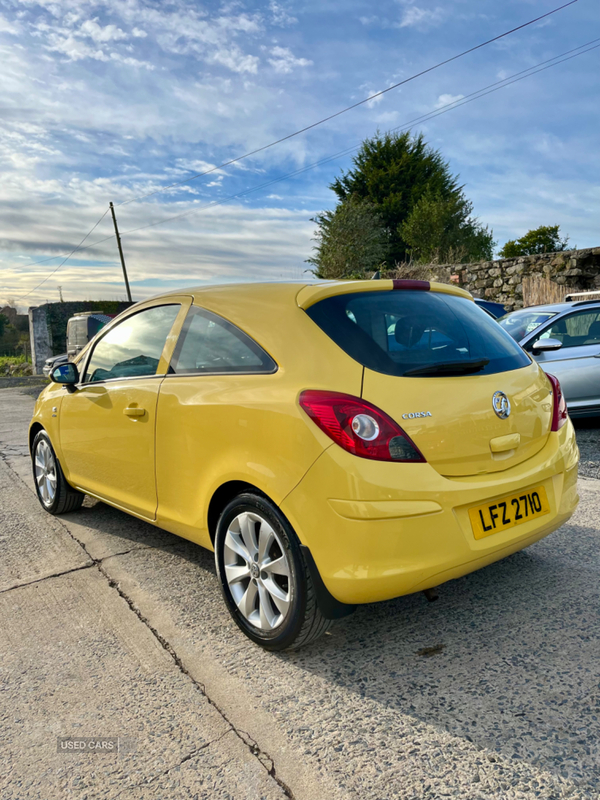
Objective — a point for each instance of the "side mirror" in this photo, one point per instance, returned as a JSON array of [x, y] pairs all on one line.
[[545, 345], [66, 373]]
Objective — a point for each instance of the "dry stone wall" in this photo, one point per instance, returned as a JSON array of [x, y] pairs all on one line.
[[502, 280]]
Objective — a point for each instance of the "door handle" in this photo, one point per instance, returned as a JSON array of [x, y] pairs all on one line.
[[134, 411]]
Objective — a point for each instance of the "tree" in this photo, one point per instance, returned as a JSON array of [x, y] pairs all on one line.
[[351, 240], [396, 171], [444, 231], [3, 324], [545, 239]]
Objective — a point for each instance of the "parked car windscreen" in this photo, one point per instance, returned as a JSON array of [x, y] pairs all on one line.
[[417, 333], [521, 323]]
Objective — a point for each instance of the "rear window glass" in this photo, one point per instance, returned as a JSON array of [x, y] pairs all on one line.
[[414, 333]]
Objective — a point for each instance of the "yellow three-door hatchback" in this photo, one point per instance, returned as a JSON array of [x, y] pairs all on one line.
[[334, 443]]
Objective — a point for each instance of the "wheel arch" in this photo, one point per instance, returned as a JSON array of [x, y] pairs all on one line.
[[35, 428], [224, 495]]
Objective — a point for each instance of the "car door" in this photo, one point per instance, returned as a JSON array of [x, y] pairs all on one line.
[[212, 405], [577, 363], [107, 425]]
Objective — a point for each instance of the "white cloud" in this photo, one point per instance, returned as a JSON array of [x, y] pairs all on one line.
[[445, 99], [284, 61], [234, 59], [421, 18], [109, 33], [215, 245], [8, 27], [280, 15], [217, 91], [368, 91], [69, 45], [131, 62], [180, 29]]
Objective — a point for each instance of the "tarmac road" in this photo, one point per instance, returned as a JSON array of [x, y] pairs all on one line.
[[110, 627]]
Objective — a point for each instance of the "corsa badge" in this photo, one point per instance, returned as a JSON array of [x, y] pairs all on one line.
[[501, 405]]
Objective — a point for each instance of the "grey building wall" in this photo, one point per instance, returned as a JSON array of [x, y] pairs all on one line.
[[40, 337]]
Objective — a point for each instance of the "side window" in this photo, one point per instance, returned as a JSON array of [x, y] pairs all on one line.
[[575, 330], [210, 344], [133, 347]]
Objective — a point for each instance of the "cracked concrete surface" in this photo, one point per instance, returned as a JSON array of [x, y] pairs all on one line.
[[135, 633]]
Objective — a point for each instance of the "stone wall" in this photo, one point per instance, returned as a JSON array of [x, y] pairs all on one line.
[[502, 280]]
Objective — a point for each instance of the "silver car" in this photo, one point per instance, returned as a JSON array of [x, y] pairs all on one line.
[[564, 338]]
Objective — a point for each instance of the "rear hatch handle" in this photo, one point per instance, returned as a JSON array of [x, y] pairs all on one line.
[[503, 443]]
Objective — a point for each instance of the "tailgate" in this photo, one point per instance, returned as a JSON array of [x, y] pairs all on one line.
[[453, 422]]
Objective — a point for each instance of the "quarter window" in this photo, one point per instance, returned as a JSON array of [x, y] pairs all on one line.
[[133, 347], [210, 344]]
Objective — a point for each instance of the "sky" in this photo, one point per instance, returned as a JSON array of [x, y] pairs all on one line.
[[108, 100]]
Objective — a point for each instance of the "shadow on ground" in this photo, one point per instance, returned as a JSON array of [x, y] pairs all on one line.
[[506, 659]]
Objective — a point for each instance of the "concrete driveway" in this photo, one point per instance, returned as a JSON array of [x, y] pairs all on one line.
[[112, 628]]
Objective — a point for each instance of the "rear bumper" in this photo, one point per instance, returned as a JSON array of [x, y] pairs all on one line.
[[378, 530]]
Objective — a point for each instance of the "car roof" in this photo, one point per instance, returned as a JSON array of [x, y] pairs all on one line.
[[313, 289], [560, 308]]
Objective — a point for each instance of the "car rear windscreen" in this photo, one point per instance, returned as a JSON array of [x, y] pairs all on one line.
[[417, 333]]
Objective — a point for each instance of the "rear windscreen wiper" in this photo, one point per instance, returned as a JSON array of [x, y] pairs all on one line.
[[450, 368]]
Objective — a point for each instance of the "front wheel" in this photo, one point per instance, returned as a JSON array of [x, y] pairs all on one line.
[[53, 491], [264, 579]]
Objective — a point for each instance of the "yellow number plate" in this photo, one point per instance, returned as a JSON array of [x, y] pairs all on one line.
[[508, 512]]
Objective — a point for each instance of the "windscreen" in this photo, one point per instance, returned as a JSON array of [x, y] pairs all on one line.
[[416, 333], [521, 323]]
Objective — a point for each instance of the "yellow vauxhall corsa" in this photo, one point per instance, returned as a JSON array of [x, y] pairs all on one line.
[[334, 443]]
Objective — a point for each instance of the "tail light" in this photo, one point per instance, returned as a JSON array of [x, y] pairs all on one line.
[[559, 414], [359, 427]]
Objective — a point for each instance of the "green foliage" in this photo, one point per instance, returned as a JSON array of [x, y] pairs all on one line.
[[351, 240], [9, 361], [545, 239], [3, 324], [395, 172], [444, 231]]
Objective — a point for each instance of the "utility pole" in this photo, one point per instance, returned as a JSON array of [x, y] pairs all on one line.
[[112, 211]]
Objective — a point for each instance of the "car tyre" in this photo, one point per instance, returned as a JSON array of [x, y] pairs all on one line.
[[264, 577], [53, 491]]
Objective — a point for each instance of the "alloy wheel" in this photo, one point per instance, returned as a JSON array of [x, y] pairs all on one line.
[[257, 571], [45, 472]]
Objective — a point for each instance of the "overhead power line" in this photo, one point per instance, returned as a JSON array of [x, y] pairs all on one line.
[[490, 88], [74, 250], [348, 108], [325, 119]]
